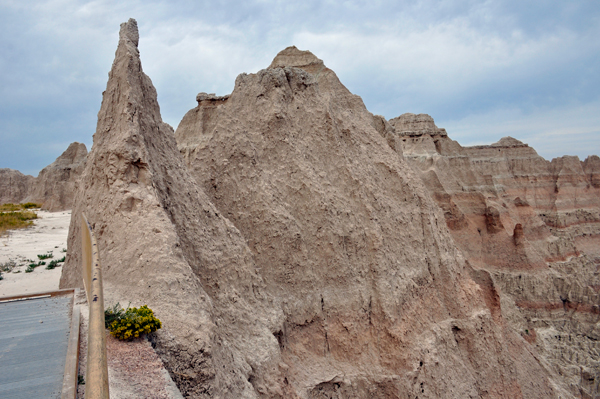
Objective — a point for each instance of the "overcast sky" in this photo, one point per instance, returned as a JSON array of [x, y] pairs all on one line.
[[482, 69]]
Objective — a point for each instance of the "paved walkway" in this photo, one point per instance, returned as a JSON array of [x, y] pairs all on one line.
[[34, 335]]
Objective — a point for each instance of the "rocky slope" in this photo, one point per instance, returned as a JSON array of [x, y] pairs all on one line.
[[53, 188], [534, 225], [377, 300], [14, 186], [55, 185]]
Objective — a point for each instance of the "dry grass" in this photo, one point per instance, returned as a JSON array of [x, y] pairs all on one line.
[[16, 216]]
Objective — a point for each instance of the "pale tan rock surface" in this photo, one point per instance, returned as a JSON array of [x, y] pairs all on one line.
[[377, 300], [164, 244], [14, 186], [53, 188], [534, 226], [55, 185]]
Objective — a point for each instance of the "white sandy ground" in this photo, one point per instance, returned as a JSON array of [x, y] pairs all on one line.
[[135, 371], [49, 233]]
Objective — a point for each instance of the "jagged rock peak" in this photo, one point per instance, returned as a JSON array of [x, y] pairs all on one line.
[[293, 57], [416, 125], [129, 32], [74, 154]]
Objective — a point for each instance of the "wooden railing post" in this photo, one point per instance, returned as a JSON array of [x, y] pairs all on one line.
[[96, 380]]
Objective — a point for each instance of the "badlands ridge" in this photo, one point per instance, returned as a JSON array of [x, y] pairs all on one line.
[[297, 246]]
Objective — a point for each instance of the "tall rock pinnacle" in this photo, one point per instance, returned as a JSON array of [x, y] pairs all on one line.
[[163, 243]]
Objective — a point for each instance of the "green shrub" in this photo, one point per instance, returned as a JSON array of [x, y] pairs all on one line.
[[31, 267], [114, 313], [131, 323], [30, 205], [52, 265], [47, 255]]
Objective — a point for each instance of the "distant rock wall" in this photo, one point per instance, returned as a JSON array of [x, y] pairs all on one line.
[[53, 188], [534, 225], [14, 186], [55, 185]]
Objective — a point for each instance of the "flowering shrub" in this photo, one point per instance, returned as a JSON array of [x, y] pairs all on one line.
[[132, 322]]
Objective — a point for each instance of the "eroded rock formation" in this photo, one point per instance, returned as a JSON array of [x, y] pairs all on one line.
[[534, 226], [377, 301], [55, 185], [297, 246], [53, 188], [14, 186], [163, 243]]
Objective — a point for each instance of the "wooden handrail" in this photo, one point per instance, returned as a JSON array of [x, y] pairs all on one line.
[[96, 384]]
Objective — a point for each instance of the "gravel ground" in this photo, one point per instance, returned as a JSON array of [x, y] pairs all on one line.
[[134, 369]]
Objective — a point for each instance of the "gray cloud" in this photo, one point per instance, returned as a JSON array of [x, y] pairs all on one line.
[[481, 69]]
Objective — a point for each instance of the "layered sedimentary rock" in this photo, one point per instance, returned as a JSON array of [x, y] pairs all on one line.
[[14, 186], [163, 243], [376, 299], [534, 225], [55, 185]]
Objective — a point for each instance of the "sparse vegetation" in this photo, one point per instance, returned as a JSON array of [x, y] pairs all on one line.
[[7, 267], [31, 267], [12, 220], [16, 216], [52, 264], [130, 323], [47, 255], [31, 205], [18, 207]]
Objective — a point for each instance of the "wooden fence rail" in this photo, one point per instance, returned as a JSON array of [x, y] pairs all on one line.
[[96, 384]]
